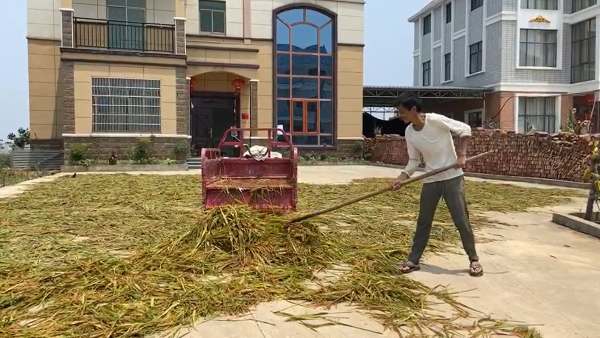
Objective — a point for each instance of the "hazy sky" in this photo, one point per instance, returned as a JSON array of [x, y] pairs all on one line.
[[388, 53]]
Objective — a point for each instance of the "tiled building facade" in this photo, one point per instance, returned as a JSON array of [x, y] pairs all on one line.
[[106, 72], [538, 57]]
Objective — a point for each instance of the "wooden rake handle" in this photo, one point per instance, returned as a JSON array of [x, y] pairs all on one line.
[[384, 190]]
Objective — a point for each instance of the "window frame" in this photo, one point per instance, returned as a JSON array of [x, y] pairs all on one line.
[[475, 4], [427, 24], [448, 12], [424, 71], [130, 94], [212, 18], [527, 45], [577, 46], [579, 5], [447, 67], [478, 54], [325, 138], [549, 102], [531, 4], [469, 113]]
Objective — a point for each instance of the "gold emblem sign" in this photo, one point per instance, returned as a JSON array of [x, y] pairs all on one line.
[[539, 19]]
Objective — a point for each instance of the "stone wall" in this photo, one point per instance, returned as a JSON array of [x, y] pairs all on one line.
[[102, 147], [559, 156]]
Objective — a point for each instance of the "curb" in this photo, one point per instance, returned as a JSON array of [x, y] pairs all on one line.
[[577, 223]]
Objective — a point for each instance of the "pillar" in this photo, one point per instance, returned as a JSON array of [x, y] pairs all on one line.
[[254, 107], [67, 21]]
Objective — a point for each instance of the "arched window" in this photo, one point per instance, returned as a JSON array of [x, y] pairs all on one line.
[[305, 75]]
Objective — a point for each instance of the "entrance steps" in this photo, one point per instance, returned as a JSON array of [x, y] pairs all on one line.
[[194, 163]]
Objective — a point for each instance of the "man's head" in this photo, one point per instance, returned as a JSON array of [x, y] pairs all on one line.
[[409, 106]]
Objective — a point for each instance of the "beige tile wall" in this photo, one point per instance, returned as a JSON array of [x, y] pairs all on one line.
[[45, 100], [234, 17], [83, 92], [157, 11], [43, 19], [350, 92]]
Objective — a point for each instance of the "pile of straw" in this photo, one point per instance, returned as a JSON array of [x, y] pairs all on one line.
[[128, 256]]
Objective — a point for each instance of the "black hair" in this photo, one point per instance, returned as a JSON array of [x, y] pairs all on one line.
[[409, 100]]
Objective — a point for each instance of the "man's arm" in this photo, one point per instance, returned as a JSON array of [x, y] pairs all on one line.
[[414, 159], [461, 129]]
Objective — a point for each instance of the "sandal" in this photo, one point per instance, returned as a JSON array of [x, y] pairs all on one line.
[[475, 269], [408, 267]]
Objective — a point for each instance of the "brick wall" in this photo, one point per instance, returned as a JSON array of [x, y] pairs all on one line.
[[540, 155], [102, 147]]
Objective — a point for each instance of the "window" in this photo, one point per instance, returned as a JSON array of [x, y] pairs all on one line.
[[474, 119], [427, 25], [540, 4], [427, 73], [449, 13], [125, 105], [476, 4], [212, 17], [537, 113], [125, 27], [447, 67], [538, 48], [579, 5], [304, 75], [475, 58], [583, 51]]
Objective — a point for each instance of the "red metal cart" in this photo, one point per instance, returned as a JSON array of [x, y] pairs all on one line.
[[263, 183]]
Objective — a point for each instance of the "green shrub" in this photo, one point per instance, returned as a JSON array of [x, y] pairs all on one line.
[[78, 154], [142, 151], [181, 150]]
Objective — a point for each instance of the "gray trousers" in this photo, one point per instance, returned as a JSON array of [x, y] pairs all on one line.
[[453, 191]]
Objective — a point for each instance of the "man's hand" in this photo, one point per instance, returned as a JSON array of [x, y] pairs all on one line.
[[461, 160], [398, 181]]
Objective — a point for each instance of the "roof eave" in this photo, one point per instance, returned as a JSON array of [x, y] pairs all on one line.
[[425, 9]]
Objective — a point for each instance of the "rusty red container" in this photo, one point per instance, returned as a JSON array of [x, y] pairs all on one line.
[[269, 184]]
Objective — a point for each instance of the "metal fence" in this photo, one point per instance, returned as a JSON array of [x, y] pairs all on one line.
[[37, 159], [121, 35]]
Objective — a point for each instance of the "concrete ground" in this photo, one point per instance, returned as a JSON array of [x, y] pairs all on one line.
[[537, 273]]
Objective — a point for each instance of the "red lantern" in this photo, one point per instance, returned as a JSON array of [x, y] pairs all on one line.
[[238, 83], [193, 82]]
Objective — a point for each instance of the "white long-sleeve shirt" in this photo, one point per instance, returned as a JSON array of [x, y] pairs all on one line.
[[434, 142]]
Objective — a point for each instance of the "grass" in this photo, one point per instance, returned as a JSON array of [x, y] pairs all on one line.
[[9, 176], [127, 256]]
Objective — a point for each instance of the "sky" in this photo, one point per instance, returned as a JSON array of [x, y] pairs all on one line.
[[388, 53]]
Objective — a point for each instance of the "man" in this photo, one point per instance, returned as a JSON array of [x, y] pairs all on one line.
[[430, 136]]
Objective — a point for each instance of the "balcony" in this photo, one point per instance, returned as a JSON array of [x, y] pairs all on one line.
[[123, 36]]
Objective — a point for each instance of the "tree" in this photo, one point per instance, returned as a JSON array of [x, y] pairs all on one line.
[[18, 141]]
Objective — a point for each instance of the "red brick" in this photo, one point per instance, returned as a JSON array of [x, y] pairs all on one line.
[[538, 155]]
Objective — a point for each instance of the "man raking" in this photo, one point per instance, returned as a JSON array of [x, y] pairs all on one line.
[[430, 136]]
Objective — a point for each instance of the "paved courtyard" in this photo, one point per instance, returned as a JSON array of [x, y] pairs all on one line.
[[537, 273]]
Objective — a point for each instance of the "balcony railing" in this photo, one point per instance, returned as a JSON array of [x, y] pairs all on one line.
[[120, 35]]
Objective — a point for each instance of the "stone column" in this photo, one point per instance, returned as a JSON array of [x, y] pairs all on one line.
[[180, 36], [67, 83], [67, 22], [254, 107], [183, 102]]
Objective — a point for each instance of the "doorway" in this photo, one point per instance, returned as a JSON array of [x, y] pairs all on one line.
[[211, 115]]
